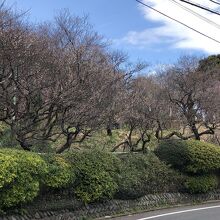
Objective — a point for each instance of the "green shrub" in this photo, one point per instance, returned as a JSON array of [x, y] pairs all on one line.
[[60, 173], [201, 184], [20, 177], [161, 178], [144, 174], [95, 172], [173, 152], [94, 185], [190, 156], [131, 180], [7, 169], [204, 157]]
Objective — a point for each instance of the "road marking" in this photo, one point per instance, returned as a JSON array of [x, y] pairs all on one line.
[[179, 212]]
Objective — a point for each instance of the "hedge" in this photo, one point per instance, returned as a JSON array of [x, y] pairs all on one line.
[[23, 174], [95, 173], [146, 174], [201, 184], [96, 176], [190, 156], [59, 174], [20, 175]]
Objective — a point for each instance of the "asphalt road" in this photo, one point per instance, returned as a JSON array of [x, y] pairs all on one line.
[[200, 212]]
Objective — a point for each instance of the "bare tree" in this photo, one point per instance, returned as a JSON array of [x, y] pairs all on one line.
[[89, 82], [194, 93], [138, 114]]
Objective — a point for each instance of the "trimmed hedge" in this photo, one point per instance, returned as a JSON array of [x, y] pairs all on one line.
[[201, 184], [190, 156], [20, 176], [8, 171], [95, 173], [146, 174], [23, 174], [59, 174]]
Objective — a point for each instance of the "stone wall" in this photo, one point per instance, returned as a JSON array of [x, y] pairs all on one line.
[[71, 209]]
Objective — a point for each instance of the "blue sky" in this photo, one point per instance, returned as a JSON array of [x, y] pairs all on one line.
[[132, 28]]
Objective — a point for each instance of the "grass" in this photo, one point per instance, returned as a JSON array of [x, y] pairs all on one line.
[[98, 140]]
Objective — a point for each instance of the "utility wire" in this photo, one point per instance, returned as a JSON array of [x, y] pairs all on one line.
[[218, 3], [196, 14], [201, 6], [148, 6]]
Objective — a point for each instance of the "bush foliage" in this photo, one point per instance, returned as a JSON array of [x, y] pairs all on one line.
[[190, 156], [95, 172], [144, 174], [20, 175], [59, 173], [95, 175], [201, 184]]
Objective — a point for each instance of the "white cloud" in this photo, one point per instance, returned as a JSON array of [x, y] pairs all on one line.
[[174, 34]]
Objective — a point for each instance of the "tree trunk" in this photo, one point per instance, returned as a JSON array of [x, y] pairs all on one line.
[[195, 131], [69, 140], [24, 145], [109, 130], [144, 146], [120, 144]]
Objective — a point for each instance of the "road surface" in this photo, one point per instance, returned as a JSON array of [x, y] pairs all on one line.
[[200, 212]]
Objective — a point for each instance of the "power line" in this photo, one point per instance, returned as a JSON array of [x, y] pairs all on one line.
[[218, 3], [196, 14], [148, 6], [201, 6]]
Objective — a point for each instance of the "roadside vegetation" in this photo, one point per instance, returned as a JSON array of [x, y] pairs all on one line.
[[76, 116], [94, 175]]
